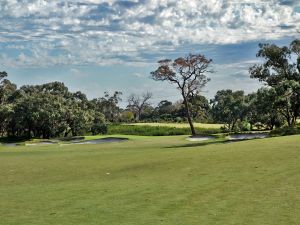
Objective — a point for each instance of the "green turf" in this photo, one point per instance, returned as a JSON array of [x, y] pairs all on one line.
[[152, 180]]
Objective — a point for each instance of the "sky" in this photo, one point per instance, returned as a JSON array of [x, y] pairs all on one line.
[[112, 45]]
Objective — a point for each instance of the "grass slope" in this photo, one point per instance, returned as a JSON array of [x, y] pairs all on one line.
[[152, 180]]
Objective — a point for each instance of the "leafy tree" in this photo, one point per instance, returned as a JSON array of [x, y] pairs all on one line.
[[99, 125], [148, 113], [200, 108], [262, 110], [3, 74], [6, 112], [47, 110], [229, 107], [77, 118], [188, 74], [7, 90], [164, 111], [39, 115], [164, 107], [127, 116], [108, 105], [281, 72]]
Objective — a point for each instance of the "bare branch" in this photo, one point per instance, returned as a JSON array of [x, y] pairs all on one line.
[[188, 73]]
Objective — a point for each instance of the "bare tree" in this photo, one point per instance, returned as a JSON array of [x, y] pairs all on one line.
[[137, 103], [188, 74]]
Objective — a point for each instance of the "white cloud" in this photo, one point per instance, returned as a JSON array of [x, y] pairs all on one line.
[[108, 32]]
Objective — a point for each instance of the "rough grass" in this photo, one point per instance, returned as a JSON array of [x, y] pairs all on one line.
[[180, 125], [151, 129], [152, 180]]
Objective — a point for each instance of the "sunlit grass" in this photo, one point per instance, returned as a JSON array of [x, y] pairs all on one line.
[[152, 180]]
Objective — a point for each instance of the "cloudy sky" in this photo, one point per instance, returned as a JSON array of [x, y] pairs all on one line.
[[106, 45]]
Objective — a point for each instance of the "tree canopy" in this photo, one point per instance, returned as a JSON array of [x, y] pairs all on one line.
[[280, 71], [51, 110], [188, 74]]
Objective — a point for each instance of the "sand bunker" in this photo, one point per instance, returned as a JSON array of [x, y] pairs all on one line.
[[200, 138], [41, 143], [8, 144], [247, 136], [74, 141]]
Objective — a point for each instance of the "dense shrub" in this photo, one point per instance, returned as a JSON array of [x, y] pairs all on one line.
[[286, 131]]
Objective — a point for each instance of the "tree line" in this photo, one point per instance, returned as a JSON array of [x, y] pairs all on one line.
[[279, 101], [51, 110]]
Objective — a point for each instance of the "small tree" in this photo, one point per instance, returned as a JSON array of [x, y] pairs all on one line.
[[127, 116], [229, 107], [261, 108], [108, 105], [188, 74], [98, 124], [137, 104]]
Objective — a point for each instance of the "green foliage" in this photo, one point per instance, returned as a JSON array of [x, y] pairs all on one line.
[[261, 109], [242, 126], [281, 72], [146, 130], [47, 110], [99, 126], [200, 108], [51, 110], [179, 119], [229, 107], [286, 130], [127, 116], [108, 105]]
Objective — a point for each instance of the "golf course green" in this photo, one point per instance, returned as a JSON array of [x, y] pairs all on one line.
[[152, 180]]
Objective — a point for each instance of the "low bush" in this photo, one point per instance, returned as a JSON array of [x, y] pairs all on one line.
[[286, 131]]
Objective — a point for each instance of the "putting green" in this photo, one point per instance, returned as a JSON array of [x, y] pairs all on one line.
[[152, 180]]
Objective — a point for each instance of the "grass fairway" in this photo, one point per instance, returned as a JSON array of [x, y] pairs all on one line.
[[152, 180]]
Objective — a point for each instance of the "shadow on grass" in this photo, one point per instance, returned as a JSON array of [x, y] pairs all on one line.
[[205, 143], [8, 140]]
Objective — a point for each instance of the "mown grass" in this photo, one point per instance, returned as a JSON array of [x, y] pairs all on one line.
[[152, 180], [152, 130]]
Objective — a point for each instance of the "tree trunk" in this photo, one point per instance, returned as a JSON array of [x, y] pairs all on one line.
[[233, 124], [288, 116], [288, 119], [137, 117], [67, 133], [188, 115]]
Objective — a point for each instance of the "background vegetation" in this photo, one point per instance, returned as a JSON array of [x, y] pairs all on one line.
[[158, 130], [51, 110]]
